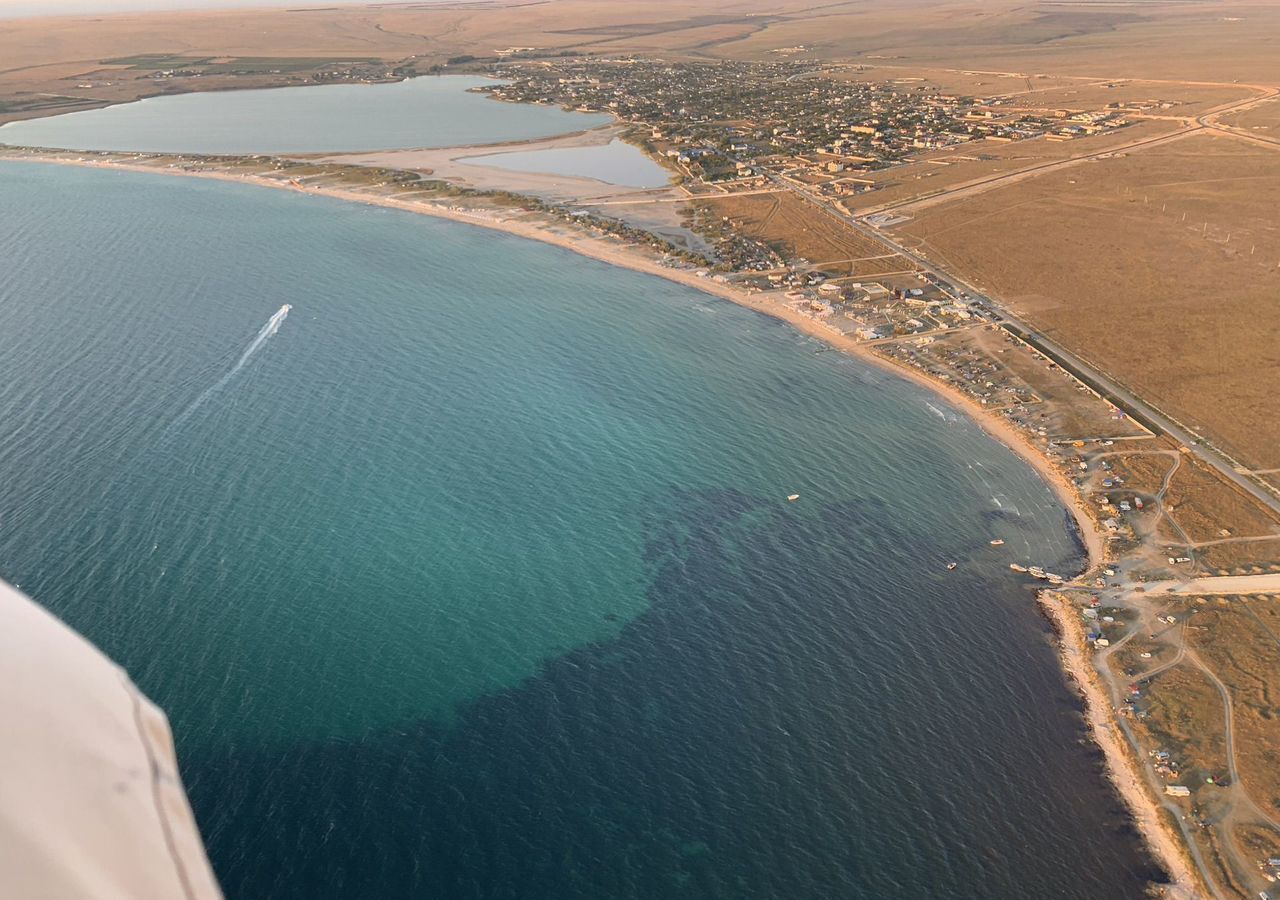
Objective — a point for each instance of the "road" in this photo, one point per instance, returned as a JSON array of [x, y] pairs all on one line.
[[986, 183], [1206, 121], [1219, 584], [1116, 394], [1210, 119]]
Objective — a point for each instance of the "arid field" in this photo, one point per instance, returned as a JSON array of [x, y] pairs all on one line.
[[799, 229], [1159, 266]]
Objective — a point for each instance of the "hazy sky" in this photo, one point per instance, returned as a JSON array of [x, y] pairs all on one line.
[[15, 8]]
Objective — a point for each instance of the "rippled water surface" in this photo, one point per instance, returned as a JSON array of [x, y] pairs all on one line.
[[476, 578]]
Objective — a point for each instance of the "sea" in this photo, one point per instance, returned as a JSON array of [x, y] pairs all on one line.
[[465, 566]]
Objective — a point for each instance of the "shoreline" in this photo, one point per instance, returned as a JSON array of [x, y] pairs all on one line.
[[1144, 809], [1166, 845], [613, 252]]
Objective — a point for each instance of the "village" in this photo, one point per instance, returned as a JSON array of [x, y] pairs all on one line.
[[732, 123]]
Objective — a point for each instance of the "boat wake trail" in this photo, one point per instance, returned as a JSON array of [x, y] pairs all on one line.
[[263, 335], [272, 326]]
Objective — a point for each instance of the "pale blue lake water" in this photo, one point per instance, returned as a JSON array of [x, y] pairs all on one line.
[[436, 111], [616, 162], [477, 578]]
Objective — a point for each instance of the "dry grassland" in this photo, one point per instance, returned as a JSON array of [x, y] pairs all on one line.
[[1257, 842], [1186, 718], [1239, 642], [1158, 267], [1241, 557], [1173, 99], [1182, 41], [942, 170], [1203, 503], [1263, 118], [1143, 473], [796, 228]]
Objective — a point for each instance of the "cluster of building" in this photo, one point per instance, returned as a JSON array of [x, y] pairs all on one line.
[[736, 121]]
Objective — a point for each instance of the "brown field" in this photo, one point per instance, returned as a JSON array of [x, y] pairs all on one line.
[[1263, 118], [1187, 719], [1143, 472], [1257, 842], [1241, 557], [1204, 503], [946, 169], [1239, 641], [1154, 266], [1165, 40], [1174, 99], [798, 229]]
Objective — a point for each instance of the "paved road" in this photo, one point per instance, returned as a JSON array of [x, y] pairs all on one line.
[[1119, 396], [986, 183], [1210, 119]]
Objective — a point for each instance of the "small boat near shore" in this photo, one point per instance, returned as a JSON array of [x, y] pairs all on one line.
[[1017, 568]]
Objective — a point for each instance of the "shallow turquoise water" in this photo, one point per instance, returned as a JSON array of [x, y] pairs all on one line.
[[420, 112], [478, 579], [616, 162]]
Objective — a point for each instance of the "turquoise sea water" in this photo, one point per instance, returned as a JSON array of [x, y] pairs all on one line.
[[478, 579], [420, 112], [616, 162]]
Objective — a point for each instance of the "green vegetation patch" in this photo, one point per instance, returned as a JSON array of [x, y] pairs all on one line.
[[156, 61]]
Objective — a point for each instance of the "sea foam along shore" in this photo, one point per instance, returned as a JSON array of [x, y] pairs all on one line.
[[1142, 804]]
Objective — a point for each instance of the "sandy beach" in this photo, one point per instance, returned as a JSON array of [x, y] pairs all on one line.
[[615, 252], [1161, 837], [1147, 816]]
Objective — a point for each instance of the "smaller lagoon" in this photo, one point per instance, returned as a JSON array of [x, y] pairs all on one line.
[[616, 162], [433, 111]]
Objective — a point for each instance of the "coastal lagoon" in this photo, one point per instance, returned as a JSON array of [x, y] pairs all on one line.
[[477, 578], [432, 111], [616, 162]]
